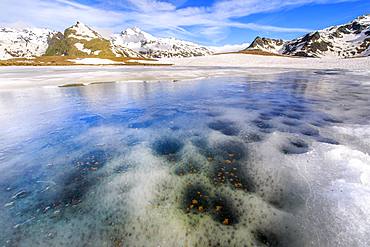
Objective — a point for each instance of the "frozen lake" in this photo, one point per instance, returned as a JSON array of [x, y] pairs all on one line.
[[277, 159]]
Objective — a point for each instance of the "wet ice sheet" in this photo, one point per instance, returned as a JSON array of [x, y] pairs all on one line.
[[274, 160]]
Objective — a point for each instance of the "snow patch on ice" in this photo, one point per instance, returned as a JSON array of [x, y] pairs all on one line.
[[254, 61], [361, 131], [94, 61], [144, 61], [355, 160]]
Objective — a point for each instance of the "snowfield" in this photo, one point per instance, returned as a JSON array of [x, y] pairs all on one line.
[[182, 69], [246, 60], [94, 61]]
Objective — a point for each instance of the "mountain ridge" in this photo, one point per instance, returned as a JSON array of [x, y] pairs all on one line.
[[81, 40], [344, 41], [154, 47], [26, 42]]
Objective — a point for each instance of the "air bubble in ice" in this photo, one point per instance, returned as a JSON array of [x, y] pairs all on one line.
[[225, 127], [167, 146]]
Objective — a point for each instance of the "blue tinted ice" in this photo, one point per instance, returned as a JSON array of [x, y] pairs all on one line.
[[274, 160]]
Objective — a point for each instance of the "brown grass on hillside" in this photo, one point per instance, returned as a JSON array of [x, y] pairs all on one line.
[[64, 61], [261, 53]]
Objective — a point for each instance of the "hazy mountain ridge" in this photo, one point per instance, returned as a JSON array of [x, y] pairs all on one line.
[[153, 47], [266, 44], [344, 41], [28, 42]]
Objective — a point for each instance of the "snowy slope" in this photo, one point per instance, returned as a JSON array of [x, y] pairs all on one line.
[[348, 40], [28, 42], [153, 47]]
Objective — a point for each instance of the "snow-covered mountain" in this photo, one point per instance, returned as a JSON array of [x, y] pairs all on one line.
[[348, 40], [77, 40], [154, 47], [81, 40], [82, 32], [28, 42]]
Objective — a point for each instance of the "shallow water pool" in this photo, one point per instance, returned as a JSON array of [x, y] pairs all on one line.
[[273, 160]]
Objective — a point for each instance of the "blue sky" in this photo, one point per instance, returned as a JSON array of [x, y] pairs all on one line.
[[210, 22]]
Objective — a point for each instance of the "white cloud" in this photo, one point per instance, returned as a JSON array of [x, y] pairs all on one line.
[[258, 27], [55, 14], [150, 5], [229, 48], [151, 15], [239, 8]]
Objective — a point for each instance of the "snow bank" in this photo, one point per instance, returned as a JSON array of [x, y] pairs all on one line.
[[183, 69], [143, 61]]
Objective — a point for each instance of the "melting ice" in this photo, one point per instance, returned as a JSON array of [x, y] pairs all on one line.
[[273, 160]]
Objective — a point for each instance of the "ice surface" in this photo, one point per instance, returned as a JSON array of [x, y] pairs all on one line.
[[267, 159]]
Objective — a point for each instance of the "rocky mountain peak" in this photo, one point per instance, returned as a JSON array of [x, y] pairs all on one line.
[[82, 31], [266, 44]]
